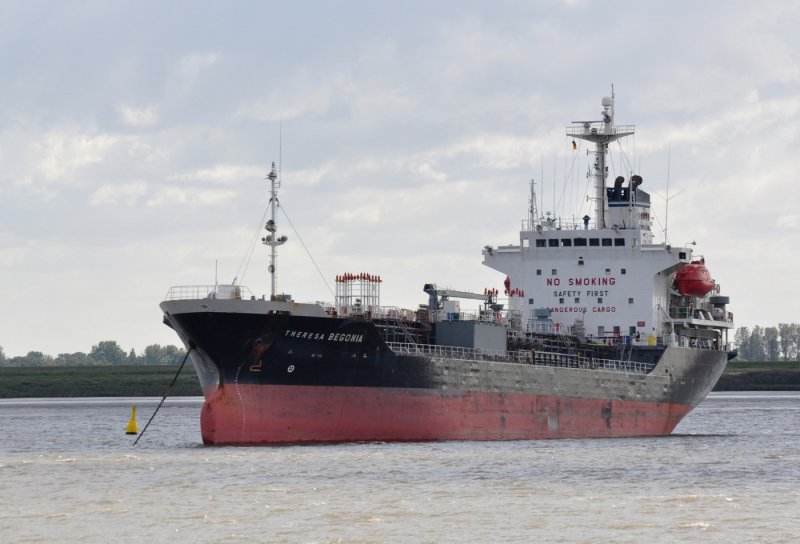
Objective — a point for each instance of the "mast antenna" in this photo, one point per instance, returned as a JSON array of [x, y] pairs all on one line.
[[533, 211], [666, 211]]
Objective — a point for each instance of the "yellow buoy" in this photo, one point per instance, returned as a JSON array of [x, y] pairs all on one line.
[[133, 427]]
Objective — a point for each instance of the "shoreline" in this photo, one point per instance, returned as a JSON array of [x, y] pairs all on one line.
[[152, 381], [760, 376], [96, 381]]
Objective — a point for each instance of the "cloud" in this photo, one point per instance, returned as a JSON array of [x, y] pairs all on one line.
[[310, 177], [146, 116], [12, 256], [286, 103], [170, 196], [361, 215], [495, 151], [791, 221], [335, 92], [181, 85], [428, 171], [408, 128], [223, 173], [63, 151], [37, 188], [191, 66], [127, 194]]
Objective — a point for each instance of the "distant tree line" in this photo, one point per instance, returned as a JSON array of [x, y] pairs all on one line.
[[781, 343], [107, 352]]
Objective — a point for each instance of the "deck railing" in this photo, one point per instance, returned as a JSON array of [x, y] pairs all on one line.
[[544, 358], [197, 292]]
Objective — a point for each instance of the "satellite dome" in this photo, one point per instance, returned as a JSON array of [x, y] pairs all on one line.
[[606, 102]]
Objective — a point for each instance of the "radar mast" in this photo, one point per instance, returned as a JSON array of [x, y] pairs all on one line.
[[601, 133]]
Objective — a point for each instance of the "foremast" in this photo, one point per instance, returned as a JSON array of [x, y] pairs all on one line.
[[272, 239]]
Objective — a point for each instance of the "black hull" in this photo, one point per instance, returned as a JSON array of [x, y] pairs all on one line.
[[329, 352]]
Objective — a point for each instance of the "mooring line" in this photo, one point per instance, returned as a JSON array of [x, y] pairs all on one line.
[[165, 395]]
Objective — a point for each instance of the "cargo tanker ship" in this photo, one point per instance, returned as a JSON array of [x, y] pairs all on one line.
[[602, 333]]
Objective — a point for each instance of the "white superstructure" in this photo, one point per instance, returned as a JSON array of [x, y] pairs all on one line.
[[604, 278]]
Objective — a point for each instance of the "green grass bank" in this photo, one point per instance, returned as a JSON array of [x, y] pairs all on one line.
[[152, 381], [96, 381], [760, 376]]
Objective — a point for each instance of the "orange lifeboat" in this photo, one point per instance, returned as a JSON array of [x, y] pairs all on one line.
[[694, 279]]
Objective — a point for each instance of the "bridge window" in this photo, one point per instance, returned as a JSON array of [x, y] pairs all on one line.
[[619, 242], [541, 243], [594, 242], [553, 242], [566, 242], [606, 242], [580, 242]]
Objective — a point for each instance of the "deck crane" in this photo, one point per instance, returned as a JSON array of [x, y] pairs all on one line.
[[436, 296]]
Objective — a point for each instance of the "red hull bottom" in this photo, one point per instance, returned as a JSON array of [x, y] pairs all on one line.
[[270, 414]]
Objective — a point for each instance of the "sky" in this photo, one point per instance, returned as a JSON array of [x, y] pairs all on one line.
[[135, 138]]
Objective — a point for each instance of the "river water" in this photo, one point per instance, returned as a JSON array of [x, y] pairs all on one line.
[[68, 473]]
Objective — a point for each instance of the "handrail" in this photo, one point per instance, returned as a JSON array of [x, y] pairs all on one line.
[[598, 127], [688, 312], [197, 292], [533, 357]]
